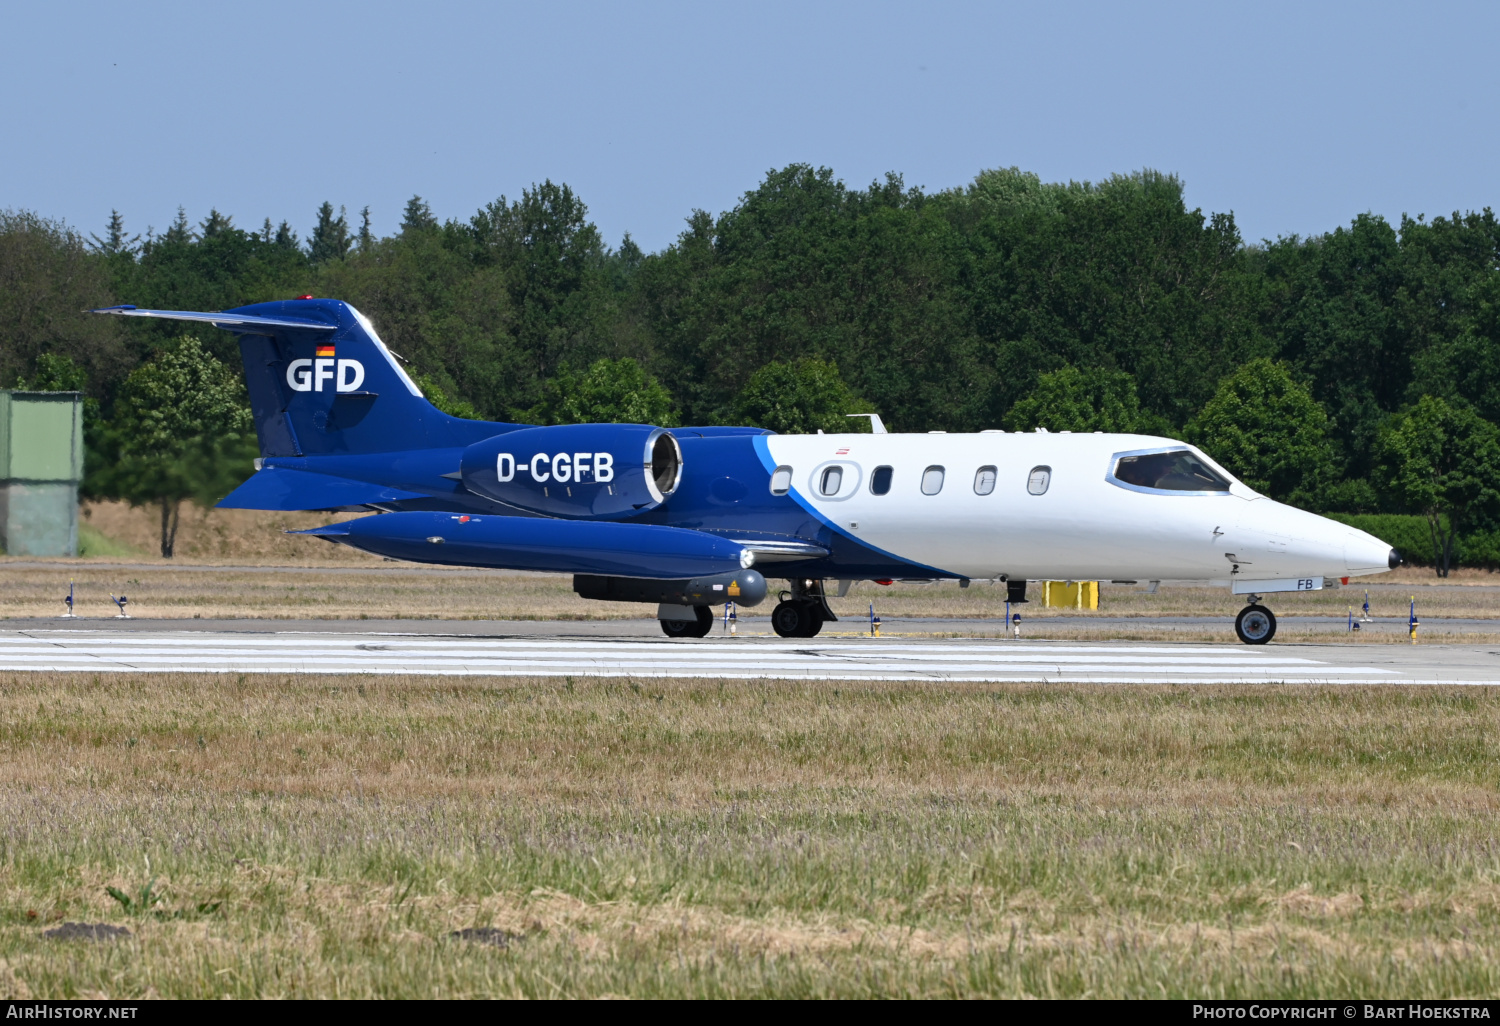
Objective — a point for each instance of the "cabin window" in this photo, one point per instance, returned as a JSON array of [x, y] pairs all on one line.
[[1039, 480], [831, 481], [932, 480], [984, 481], [1174, 471], [880, 481], [781, 481]]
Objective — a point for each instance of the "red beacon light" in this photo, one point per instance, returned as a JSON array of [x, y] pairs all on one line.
[[308, 296]]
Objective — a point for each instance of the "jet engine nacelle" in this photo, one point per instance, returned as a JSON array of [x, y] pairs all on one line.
[[579, 471]]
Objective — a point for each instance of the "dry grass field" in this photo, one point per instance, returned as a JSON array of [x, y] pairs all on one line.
[[326, 837]]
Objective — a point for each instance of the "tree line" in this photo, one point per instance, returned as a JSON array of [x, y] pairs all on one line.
[[1355, 372]]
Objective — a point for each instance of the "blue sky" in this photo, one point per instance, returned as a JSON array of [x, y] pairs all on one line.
[[1295, 116]]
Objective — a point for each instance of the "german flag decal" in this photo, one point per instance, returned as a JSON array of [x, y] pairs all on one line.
[[325, 351]]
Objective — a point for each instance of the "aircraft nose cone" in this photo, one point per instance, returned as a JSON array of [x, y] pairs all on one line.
[[1365, 553]]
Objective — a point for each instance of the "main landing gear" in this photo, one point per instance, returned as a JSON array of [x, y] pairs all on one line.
[[801, 612], [697, 628], [1256, 624]]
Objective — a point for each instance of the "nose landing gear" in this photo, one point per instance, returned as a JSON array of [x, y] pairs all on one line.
[[1256, 624]]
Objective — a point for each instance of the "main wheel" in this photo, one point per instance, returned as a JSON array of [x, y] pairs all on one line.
[[796, 620], [698, 628], [1255, 625]]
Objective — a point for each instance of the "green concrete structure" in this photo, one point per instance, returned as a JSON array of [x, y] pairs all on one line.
[[41, 463]]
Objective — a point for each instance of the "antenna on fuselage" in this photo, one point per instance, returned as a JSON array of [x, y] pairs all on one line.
[[877, 426]]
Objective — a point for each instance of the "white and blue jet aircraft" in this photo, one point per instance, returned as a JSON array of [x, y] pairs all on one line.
[[687, 518]]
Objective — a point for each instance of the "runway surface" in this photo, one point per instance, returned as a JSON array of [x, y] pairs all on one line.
[[519, 649]]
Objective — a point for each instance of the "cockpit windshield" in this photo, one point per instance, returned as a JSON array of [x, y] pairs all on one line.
[[1177, 470]]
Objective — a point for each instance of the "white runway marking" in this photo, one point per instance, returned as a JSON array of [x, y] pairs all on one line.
[[854, 659]]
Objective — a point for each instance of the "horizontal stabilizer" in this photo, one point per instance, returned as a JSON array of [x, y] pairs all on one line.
[[229, 321], [280, 488]]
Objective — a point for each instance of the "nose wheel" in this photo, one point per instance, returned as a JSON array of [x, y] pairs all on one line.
[[1255, 625]]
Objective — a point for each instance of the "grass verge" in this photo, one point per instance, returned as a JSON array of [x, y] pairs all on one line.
[[326, 836]]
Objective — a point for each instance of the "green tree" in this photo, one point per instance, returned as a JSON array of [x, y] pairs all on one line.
[[1006, 192], [1442, 461], [609, 392], [1375, 316], [221, 268], [551, 258], [450, 317], [438, 396], [115, 241], [180, 429], [180, 231], [48, 278], [1118, 273], [1265, 427], [1090, 399], [54, 373], [366, 236], [214, 224], [418, 216], [330, 237], [801, 398], [805, 267], [1466, 363]]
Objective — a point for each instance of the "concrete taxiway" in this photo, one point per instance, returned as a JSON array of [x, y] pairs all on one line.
[[635, 648]]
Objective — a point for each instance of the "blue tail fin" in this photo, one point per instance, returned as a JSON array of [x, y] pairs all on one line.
[[322, 382]]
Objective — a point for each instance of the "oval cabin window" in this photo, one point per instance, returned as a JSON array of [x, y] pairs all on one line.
[[831, 481], [880, 481], [984, 481], [932, 480], [781, 481], [1040, 479]]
